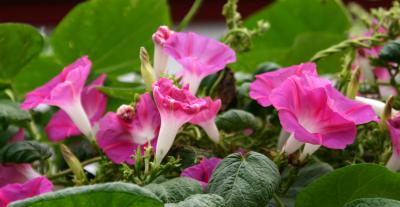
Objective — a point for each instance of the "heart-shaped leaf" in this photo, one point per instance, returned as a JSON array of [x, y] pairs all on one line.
[[19, 43], [350, 183], [101, 195], [245, 180], [11, 113], [24, 152], [110, 32], [175, 190], [200, 200], [373, 202], [236, 120]]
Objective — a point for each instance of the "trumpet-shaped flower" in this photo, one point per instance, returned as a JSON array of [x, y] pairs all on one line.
[[120, 133], [94, 103], [261, 88], [206, 119], [18, 191], [202, 171], [317, 114], [177, 107], [199, 56], [160, 57], [64, 91], [394, 131]]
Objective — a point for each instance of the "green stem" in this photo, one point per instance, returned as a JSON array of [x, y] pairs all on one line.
[[186, 20], [68, 171], [33, 130], [356, 43], [278, 201], [216, 83]]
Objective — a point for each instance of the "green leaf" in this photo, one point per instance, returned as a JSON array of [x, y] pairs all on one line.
[[11, 113], [306, 176], [122, 93], [110, 32], [350, 183], [391, 52], [236, 120], [24, 152], [175, 190], [36, 73], [200, 200], [294, 24], [7, 135], [245, 180], [101, 195], [373, 202], [19, 43]]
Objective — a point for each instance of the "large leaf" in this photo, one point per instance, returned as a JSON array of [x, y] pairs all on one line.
[[110, 32], [24, 152], [19, 43], [296, 25], [11, 113], [236, 120], [101, 195], [175, 190], [350, 183], [34, 74], [373, 202], [245, 180], [306, 176], [200, 200]]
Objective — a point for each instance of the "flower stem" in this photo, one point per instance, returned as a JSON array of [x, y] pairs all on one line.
[[68, 171], [278, 201], [188, 17]]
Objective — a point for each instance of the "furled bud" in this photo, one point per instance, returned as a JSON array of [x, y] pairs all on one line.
[[354, 84], [74, 165], [146, 69], [126, 112]]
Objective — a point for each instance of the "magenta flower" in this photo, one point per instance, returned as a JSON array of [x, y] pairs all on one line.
[[261, 88], [199, 56], [202, 171], [394, 131], [206, 119], [17, 191], [16, 173], [315, 113], [64, 91], [94, 103], [177, 107], [160, 57], [120, 134]]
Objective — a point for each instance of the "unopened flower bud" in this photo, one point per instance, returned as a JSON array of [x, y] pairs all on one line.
[[146, 69], [126, 112], [354, 84], [74, 165]]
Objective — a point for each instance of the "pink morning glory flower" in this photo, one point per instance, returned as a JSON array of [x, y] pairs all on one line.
[[177, 107], [261, 88], [315, 113], [160, 57], [394, 131], [94, 103], [16, 173], [120, 133], [64, 91], [202, 171], [206, 119], [199, 56], [18, 191]]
